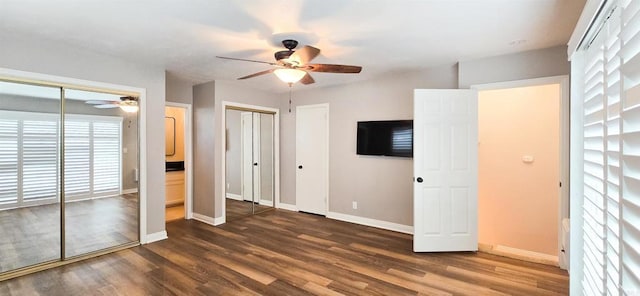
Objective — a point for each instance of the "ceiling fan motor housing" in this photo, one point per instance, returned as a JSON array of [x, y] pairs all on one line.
[[284, 54]]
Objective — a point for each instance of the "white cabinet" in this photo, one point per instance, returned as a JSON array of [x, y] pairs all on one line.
[[175, 188]]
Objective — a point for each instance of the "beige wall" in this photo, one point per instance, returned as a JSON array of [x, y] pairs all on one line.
[[203, 151], [178, 115], [178, 90], [518, 201], [41, 56], [525, 65]]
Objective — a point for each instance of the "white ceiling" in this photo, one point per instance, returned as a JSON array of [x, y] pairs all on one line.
[[381, 35]]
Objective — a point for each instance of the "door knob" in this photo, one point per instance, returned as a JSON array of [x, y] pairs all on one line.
[[300, 167], [419, 180], [255, 164]]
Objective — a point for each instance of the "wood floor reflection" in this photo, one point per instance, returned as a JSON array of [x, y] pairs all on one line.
[[31, 235], [237, 209]]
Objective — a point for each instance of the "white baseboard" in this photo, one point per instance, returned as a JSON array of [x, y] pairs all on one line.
[[208, 220], [371, 222], [234, 196], [288, 207], [219, 220], [264, 202], [520, 254], [129, 191], [154, 237], [203, 219]]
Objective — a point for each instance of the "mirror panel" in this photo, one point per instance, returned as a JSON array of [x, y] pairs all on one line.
[[29, 170], [101, 172]]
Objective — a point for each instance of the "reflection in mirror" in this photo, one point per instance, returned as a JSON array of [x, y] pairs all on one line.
[[249, 163], [29, 188], [101, 172]]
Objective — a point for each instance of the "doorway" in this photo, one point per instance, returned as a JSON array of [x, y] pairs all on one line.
[[177, 162], [312, 158], [522, 161], [250, 160]]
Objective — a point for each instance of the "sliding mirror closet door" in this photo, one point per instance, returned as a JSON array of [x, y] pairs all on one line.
[[239, 164], [265, 168], [29, 174], [100, 171], [249, 163]]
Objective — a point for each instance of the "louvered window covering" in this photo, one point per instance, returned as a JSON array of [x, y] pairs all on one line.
[[29, 162], [611, 133]]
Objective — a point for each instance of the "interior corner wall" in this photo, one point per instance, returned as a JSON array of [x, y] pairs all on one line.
[[519, 66], [382, 186], [178, 90], [52, 58], [203, 152], [236, 92]]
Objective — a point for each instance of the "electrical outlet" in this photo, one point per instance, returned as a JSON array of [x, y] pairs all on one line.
[[355, 205], [228, 185]]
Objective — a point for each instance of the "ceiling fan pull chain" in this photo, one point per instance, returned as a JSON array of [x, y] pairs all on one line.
[[290, 85]]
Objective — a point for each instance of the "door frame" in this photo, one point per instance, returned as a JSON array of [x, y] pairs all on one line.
[[223, 149], [565, 119], [188, 156], [326, 106]]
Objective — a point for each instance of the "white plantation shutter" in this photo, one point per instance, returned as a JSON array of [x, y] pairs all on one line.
[[106, 158], [630, 138], [8, 161], [611, 183], [29, 162], [39, 160], [77, 159], [594, 173]]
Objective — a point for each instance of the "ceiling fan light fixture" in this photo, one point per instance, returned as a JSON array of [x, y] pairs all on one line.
[[129, 106], [290, 75]]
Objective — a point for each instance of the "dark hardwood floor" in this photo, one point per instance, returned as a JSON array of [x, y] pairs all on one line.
[[287, 253], [31, 235], [238, 209]]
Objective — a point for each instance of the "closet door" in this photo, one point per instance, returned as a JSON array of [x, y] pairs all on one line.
[[29, 174], [100, 172]]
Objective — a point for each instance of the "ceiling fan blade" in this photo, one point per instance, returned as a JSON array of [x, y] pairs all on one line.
[[246, 60], [257, 74], [106, 106], [333, 68], [304, 55], [307, 79], [98, 102]]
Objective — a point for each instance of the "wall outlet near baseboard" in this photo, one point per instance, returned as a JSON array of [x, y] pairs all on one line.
[[355, 205]]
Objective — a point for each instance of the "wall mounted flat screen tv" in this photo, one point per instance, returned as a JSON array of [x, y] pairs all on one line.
[[388, 138]]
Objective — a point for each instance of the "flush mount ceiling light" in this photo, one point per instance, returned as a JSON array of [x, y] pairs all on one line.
[[129, 106], [289, 75]]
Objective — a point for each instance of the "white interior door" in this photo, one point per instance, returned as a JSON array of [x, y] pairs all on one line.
[[312, 160], [247, 155], [256, 157], [445, 170]]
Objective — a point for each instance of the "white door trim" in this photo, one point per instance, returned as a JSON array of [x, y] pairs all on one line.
[[326, 106], [565, 119], [89, 85], [223, 149], [188, 156]]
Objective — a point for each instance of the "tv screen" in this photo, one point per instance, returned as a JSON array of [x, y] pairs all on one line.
[[389, 138]]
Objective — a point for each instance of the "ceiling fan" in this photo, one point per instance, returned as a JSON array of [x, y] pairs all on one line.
[[127, 104], [293, 66]]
